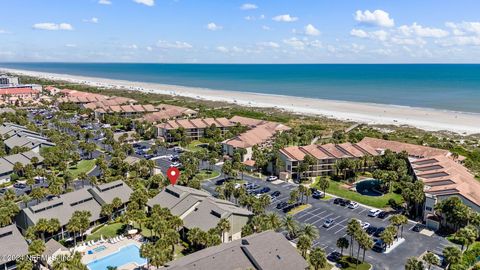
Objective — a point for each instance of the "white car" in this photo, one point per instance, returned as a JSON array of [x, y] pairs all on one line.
[[365, 225], [374, 212], [272, 178], [176, 164], [353, 205]]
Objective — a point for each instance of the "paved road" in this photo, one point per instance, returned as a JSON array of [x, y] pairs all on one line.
[[415, 243]]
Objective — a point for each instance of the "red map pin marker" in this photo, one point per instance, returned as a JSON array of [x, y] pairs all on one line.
[[173, 174]]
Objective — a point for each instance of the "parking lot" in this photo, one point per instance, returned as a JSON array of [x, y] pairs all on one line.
[[415, 244]]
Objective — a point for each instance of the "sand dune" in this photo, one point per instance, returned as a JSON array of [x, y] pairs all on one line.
[[427, 119]]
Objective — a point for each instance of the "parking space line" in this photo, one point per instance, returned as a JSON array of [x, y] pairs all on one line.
[[320, 218], [343, 227], [362, 211], [312, 215]]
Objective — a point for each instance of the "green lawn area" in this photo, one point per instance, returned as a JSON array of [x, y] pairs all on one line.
[[350, 264], [108, 231], [82, 166], [206, 174], [377, 202], [299, 209], [193, 146]]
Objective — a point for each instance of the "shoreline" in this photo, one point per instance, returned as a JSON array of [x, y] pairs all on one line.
[[369, 113]]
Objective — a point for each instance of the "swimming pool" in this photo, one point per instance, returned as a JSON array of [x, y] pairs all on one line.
[[126, 254], [97, 249]]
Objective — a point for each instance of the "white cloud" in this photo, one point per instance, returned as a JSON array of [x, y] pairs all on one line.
[[132, 46], [460, 41], [149, 3], [376, 18], [248, 6], [462, 28], [2, 31], [105, 2], [418, 30], [285, 18], [408, 41], [237, 49], [269, 44], [380, 35], [310, 30], [300, 44], [149, 48], [213, 27], [71, 45], [249, 18], [359, 33], [173, 45], [222, 49], [91, 20], [264, 27], [53, 26]]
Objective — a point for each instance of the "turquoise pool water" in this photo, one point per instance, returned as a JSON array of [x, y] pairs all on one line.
[[97, 249], [127, 254]]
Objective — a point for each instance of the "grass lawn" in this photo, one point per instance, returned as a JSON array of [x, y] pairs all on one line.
[[374, 201], [299, 209], [108, 231], [206, 174], [193, 146], [82, 166], [349, 264]]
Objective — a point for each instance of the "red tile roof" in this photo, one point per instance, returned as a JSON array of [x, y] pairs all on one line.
[[18, 91]]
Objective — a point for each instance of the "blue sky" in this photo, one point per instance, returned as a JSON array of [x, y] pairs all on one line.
[[231, 31]]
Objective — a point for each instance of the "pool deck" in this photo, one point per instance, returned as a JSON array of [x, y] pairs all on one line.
[[110, 248]]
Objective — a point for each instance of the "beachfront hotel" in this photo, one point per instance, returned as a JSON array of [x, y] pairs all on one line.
[[199, 209]]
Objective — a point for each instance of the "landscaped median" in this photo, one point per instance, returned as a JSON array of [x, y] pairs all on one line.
[[299, 209], [341, 190], [204, 175]]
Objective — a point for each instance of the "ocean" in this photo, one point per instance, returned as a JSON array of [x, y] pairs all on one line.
[[454, 87]]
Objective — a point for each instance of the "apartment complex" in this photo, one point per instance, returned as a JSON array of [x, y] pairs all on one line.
[[193, 128], [79, 97], [8, 80], [18, 136], [260, 135], [199, 209], [12, 246], [63, 207], [265, 250], [167, 112], [7, 163]]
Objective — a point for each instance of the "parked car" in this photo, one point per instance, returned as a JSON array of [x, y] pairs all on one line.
[[318, 194], [220, 182], [374, 212], [272, 178], [19, 185], [371, 230], [379, 245], [338, 201], [276, 193], [379, 231], [176, 164], [383, 214], [263, 190], [3, 190], [328, 223], [334, 256], [353, 205], [252, 186], [345, 202], [281, 205], [365, 225]]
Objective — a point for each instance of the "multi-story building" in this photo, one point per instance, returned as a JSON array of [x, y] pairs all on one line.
[[18, 136], [12, 246], [199, 209], [8, 80], [193, 128]]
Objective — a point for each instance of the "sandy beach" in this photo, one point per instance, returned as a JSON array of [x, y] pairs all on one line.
[[427, 119]]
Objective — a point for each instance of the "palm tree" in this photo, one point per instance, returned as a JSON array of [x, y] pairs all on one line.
[[431, 259], [290, 225], [388, 235], [399, 220], [274, 221], [452, 255], [146, 252], [414, 264], [310, 231], [223, 227], [318, 259], [467, 236], [53, 226], [342, 243], [107, 210], [366, 243], [304, 244], [353, 228], [323, 183]]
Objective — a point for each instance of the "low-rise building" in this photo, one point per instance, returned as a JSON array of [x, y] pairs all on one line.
[[167, 112], [260, 135], [265, 250], [7, 163], [63, 207], [14, 135], [193, 128], [79, 97], [199, 209], [12, 246]]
